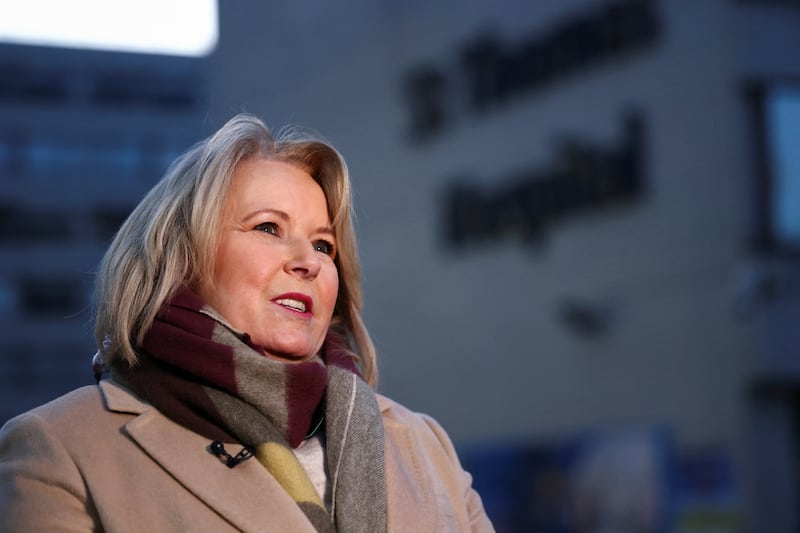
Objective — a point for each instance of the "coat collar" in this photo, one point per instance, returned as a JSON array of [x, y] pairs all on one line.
[[384, 403], [247, 496]]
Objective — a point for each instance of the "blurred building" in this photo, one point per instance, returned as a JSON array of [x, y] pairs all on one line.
[[83, 136], [574, 216]]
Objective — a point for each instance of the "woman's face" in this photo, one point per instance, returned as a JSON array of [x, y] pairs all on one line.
[[274, 276]]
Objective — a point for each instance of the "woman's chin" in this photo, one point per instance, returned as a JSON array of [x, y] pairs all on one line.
[[287, 357]]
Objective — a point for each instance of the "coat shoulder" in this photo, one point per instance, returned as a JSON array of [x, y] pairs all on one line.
[[80, 400], [421, 424], [423, 473], [37, 463], [86, 407], [393, 411], [79, 421]]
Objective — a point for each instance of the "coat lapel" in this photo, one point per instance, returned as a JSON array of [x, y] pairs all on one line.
[[247, 495]]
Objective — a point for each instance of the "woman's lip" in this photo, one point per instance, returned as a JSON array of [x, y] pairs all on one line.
[[296, 297]]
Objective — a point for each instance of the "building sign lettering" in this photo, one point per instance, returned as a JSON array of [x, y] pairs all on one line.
[[490, 73]]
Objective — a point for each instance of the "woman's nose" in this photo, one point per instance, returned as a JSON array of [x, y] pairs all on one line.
[[303, 260]]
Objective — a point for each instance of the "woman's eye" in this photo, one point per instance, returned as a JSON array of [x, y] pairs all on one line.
[[325, 247], [268, 227]]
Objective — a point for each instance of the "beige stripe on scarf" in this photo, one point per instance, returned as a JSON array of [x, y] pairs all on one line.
[[284, 466]]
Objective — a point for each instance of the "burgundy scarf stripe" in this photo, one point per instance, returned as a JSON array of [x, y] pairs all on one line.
[[181, 336], [305, 386], [189, 405]]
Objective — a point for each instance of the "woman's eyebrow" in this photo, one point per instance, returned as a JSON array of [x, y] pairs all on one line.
[[327, 230], [268, 210]]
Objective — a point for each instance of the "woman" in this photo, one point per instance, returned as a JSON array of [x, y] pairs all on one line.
[[238, 394]]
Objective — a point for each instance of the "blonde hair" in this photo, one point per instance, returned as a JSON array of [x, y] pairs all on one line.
[[171, 237]]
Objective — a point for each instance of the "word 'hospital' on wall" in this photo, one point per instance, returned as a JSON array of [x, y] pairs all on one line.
[[524, 206]]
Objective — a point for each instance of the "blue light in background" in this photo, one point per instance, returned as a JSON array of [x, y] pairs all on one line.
[[783, 116]]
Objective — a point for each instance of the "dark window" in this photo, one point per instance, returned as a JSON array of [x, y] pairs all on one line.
[[146, 90], [21, 84], [19, 225], [63, 297], [108, 221]]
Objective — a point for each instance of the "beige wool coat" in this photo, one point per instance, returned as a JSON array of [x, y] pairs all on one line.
[[100, 459]]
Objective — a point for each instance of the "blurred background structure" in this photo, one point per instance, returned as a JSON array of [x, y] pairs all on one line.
[[579, 222]]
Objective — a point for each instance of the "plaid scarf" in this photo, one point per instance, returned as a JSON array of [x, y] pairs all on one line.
[[204, 375]]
